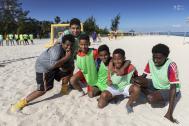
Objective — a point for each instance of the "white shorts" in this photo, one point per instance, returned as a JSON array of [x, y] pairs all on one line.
[[115, 92]]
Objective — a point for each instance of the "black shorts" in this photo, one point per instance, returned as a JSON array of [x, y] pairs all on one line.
[[51, 76], [163, 92]]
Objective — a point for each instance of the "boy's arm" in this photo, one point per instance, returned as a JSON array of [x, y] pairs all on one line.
[[64, 59], [121, 71], [172, 95], [109, 75]]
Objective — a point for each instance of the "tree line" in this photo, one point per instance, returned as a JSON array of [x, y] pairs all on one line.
[[15, 20]]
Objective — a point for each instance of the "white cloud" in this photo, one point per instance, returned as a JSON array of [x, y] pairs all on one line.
[[187, 19], [176, 25], [178, 7]]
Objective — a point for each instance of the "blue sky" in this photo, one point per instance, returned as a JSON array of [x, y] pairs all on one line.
[[140, 15]]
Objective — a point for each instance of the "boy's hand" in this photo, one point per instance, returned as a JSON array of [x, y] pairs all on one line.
[[68, 54]]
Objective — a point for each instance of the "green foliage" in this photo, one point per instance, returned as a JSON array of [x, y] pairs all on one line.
[[57, 20], [11, 13], [115, 22], [90, 25], [13, 19]]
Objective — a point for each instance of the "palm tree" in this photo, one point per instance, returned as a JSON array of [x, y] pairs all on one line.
[[57, 19], [115, 22]]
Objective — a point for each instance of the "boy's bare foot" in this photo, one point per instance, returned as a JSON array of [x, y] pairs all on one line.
[[129, 109]]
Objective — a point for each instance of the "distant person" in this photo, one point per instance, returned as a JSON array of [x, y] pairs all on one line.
[[115, 34], [120, 84], [21, 38], [94, 36], [55, 63], [1, 40], [31, 38], [11, 39], [99, 37], [25, 36], [164, 85], [7, 40], [16, 37]]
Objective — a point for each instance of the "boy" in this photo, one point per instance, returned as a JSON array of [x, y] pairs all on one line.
[[120, 85], [164, 84], [105, 60], [47, 69], [75, 30], [85, 61]]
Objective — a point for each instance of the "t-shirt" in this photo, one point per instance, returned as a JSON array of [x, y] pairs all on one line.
[[172, 72], [49, 57]]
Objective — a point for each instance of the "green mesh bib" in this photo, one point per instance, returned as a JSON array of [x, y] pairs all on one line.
[[102, 77], [120, 82], [87, 65], [160, 75]]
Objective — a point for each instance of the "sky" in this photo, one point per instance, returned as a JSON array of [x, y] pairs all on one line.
[[140, 15]]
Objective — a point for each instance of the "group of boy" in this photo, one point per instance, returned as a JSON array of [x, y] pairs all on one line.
[[20, 39], [103, 74]]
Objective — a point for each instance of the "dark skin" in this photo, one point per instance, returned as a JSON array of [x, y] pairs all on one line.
[[83, 47], [106, 59], [134, 90], [155, 97], [35, 94]]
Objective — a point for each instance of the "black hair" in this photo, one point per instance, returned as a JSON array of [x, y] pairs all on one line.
[[103, 48], [75, 21], [119, 51], [84, 37], [161, 48], [68, 38]]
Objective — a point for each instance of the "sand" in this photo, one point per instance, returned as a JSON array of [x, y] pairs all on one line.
[[17, 79]]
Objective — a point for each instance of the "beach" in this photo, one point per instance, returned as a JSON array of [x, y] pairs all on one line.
[[17, 70]]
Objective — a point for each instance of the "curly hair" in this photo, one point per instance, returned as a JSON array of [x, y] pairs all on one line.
[[161, 48]]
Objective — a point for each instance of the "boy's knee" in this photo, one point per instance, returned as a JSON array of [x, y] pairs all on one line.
[[104, 95], [136, 88], [90, 94], [100, 105]]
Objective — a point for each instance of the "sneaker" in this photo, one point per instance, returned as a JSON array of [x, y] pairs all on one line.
[[19, 105]]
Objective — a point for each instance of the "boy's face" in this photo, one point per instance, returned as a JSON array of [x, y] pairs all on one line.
[[118, 60], [84, 45], [75, 29], [67, 45], [104, 56], [159, 59]]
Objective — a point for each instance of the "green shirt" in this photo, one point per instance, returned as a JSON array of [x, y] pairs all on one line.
[[120, 82], [102, 77], [87, 65], [160, 75]]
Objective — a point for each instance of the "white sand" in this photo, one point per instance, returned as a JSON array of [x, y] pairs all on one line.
[[17, 79]]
